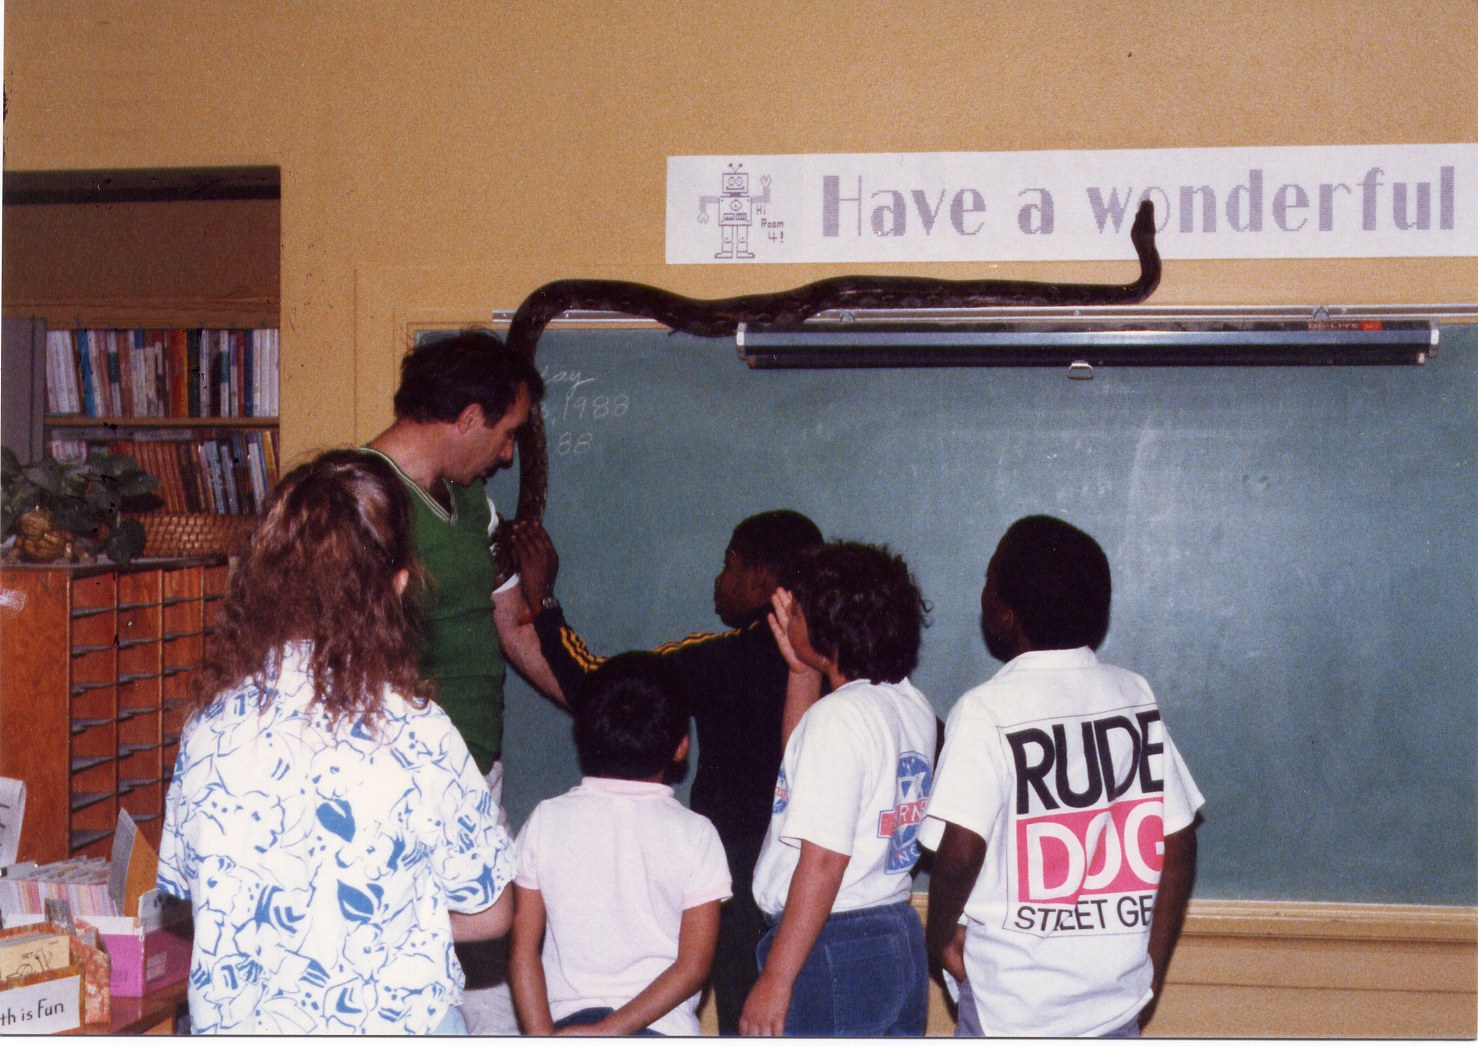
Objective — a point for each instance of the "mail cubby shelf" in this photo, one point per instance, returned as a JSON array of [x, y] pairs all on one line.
[[97, 665]]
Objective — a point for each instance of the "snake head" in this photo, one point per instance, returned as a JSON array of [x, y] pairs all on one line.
[[1142, 235]]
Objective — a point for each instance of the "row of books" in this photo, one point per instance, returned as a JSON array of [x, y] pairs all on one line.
[[178, 373], [225, 473]]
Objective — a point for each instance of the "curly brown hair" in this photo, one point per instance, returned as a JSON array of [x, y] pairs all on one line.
[[863, 608], [321, 567]]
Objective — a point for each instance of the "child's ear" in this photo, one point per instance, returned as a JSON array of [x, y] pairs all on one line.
[[681, 752]]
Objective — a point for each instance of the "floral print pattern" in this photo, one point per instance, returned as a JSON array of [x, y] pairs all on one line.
[[321, 863]]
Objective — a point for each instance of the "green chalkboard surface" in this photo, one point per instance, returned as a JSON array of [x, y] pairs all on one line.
[[1295, 557]]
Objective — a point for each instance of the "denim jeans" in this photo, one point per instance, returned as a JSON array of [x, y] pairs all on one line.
[[451, 1024], [866, 975], [594, 1015]]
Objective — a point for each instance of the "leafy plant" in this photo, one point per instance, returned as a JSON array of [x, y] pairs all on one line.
[[86, 498]]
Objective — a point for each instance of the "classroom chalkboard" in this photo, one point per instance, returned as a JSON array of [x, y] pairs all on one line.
[[1293, 553]]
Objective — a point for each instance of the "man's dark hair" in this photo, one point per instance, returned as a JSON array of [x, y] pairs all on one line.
[[630, 717], [441, 377], [772, 539], [863, 609], [1056, 578]]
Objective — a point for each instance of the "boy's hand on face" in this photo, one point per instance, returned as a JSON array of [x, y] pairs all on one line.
[[537, 560], [779, 620]]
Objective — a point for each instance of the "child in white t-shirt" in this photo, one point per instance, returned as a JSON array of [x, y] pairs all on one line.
[[845, 951], [618, 886], [1062, 815]]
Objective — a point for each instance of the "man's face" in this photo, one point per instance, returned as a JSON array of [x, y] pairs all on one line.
[[740, 589], [486, 448]]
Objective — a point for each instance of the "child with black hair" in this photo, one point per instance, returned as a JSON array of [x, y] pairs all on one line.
[[845, 951], [1062, 817], [618, 886]]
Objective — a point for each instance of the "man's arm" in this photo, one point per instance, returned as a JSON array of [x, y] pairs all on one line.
[[697, 938], [813, 889], [520, 642], [957, 864], [526, 964], [1177, 876], [565, 652]]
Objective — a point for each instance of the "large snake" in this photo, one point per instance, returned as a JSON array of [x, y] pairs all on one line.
[[720, 317]]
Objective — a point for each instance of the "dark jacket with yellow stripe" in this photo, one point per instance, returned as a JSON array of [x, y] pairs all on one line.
[[735, 688]]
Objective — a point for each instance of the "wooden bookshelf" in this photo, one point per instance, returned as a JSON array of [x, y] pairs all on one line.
[[79, 421], [97, 665], [96, 661], [144, 249], [198, 408]]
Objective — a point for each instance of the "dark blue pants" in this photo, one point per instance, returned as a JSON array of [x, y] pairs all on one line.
[[594, 1015], [866, 975]]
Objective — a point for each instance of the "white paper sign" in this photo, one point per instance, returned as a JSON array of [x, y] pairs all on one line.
[[1345, 201], [41, 1009], [12, 813]]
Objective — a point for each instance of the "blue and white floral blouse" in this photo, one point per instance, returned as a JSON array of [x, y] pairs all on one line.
[[321, 865]]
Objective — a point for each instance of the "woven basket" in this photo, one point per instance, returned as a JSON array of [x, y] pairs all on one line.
[[169, 534]]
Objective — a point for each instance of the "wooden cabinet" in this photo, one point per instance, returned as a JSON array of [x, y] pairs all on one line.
[[96, 666]]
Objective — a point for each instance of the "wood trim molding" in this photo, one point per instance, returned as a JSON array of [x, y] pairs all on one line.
[[1322, 921], [68, 313]]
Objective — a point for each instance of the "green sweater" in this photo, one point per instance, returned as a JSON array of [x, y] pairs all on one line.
[[462, 655]]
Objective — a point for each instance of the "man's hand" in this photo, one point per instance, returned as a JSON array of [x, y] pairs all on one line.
[[765, 1009], [538, 562]]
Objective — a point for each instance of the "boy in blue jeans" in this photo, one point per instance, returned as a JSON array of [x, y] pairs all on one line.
[[1062, 817], [845, 951], [618, 887]]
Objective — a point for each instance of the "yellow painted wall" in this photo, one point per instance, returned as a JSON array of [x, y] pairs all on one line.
[[441, 158]]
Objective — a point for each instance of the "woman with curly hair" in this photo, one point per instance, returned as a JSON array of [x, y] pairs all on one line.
[[845, 952], [325, 819]]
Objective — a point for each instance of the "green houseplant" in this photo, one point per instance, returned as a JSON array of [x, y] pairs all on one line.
[[70, 510]]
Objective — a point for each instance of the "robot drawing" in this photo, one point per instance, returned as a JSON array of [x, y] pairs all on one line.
[[736, 210]]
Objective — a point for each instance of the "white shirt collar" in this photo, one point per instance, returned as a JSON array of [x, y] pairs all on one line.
[[1036, 660]]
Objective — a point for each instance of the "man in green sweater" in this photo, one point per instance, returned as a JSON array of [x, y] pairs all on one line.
[[459, 407]]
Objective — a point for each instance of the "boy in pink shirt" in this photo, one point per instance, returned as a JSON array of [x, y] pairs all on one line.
[[618, 886]]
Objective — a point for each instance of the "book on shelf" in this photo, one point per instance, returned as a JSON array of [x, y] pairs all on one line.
[[226, 473], [159, 373]]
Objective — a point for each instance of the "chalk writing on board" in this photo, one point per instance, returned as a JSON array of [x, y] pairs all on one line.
[[576, 409]]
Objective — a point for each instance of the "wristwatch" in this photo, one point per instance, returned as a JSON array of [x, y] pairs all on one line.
[[548, 603]]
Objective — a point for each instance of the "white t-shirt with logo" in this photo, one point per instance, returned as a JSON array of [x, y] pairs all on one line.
[[1063, 766], [617, 863], [855, 779]]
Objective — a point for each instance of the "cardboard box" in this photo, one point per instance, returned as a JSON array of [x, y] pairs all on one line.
[[149, 951], [37, 952], [41, 1002]]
